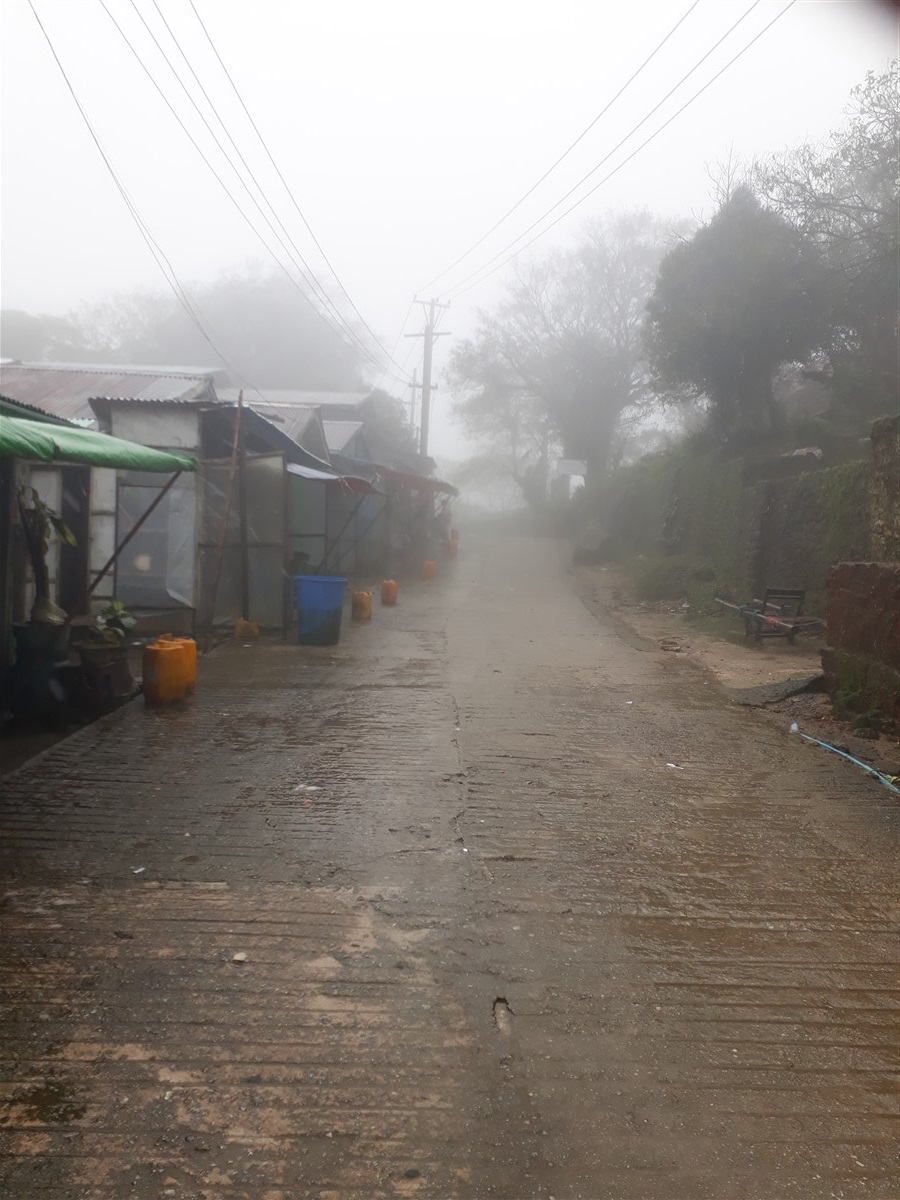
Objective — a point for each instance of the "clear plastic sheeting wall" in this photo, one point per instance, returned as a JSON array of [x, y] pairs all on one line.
[[157, 567], [357, 532], [219, 547], [306, 524]]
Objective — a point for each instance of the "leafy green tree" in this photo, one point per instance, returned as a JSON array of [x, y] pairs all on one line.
[[732, 304], [844, 196]]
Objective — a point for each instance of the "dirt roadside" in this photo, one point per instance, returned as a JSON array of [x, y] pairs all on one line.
[[783, 681]]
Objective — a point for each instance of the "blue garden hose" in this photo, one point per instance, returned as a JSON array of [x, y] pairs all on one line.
[[883, 779]]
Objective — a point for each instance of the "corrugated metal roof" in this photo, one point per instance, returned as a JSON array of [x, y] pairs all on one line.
[[327, 399], [339, 433], [289, 409], [65, 390], [15, 408], [295, 397], [277, 404], [275, 436]]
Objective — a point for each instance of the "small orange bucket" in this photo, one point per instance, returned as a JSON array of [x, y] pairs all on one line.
[[389, 591], [361, 606]]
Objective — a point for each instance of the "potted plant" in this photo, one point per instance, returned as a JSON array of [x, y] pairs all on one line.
[[115, 619], [104, 655]]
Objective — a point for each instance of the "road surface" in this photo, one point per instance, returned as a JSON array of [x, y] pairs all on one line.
[[491, 900]]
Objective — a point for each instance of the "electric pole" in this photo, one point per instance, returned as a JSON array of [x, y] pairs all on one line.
[[429, 334], [413, 387]]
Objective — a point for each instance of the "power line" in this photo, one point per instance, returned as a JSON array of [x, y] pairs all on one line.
[[458, 288], [566, 152], [228, 192], [397, 343], [615, 170], [287, 188], [161, 258], [342, 324], [155, 249], [308, 275]]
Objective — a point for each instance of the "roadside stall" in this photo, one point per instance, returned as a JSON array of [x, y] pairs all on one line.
[[38, 676]]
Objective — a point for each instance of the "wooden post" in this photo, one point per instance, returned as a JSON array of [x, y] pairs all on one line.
[[242, 512], [227, 513]]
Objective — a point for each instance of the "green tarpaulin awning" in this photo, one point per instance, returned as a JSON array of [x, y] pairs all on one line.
[[24, 439], [37, 441]]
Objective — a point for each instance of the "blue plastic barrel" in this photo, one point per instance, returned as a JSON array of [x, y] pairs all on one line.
[[319, 600]]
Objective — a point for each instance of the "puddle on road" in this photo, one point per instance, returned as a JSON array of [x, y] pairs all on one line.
[[50, 1103]]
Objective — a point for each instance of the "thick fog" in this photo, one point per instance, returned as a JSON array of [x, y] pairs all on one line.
[[403, 131]]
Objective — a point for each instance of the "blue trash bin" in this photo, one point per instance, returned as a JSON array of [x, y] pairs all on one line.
[[319, 600]]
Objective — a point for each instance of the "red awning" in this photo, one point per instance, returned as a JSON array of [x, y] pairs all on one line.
[[418, 483]]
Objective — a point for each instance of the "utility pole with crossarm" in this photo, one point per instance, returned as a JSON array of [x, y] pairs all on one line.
[[429, 334]]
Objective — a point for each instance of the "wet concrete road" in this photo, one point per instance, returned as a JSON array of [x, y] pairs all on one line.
[[505, 949]]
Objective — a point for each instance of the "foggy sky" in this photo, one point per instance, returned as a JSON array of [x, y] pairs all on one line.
[[404, 130]]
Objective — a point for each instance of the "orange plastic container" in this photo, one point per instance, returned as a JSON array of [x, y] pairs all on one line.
[[361, 606], [164, 675], [451, 548], [189, 663], [389, 592], [428, 569]]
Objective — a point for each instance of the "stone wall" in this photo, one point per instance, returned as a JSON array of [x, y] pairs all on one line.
[[862, 661], [749, 533], [809, 523], [884, 490]]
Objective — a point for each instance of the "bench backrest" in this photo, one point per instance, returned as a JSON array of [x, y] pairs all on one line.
[[789, 601]]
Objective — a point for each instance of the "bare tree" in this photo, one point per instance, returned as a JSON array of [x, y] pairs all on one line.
[[563, 356]]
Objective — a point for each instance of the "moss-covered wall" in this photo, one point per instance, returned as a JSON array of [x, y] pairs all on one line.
[[814, 521], [884, 490], [783, 532]]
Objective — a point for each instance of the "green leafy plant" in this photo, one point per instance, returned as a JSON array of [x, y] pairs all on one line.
[[113, 623]]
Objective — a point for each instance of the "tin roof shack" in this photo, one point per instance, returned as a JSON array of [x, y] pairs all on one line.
[[367, 437], [291, 411], [156, 577], [348, 438], [387, 436], [364, 547], [66, 390], [408, 528], [270, 510], [332, 529], [40, 454], [156, 407], [215, 549]]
